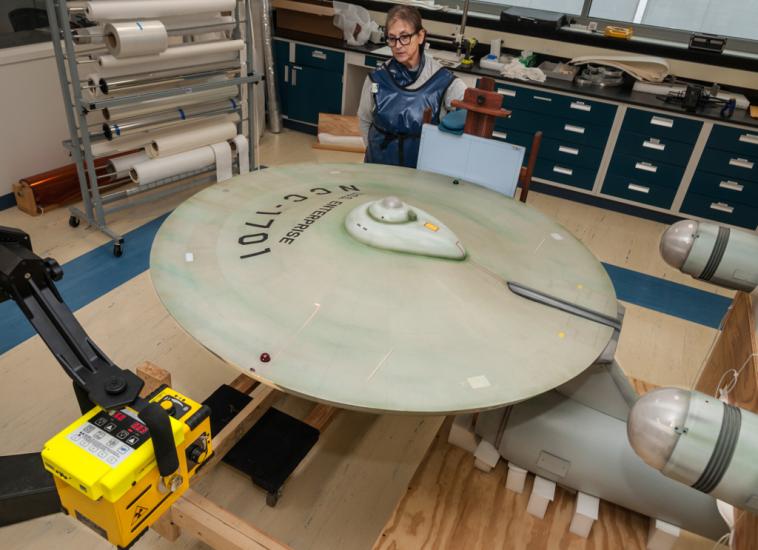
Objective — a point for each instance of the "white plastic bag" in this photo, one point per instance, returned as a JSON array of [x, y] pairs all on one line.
[[355, 23]]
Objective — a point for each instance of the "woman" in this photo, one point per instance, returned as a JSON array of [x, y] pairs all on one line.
[[396, 95]]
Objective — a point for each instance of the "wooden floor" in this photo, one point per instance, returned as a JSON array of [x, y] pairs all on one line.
[[345, 493]]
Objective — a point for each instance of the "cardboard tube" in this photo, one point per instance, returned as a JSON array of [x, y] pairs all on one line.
[[185, 140]]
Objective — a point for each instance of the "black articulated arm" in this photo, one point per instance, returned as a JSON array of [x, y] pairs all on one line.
[[29, 281]]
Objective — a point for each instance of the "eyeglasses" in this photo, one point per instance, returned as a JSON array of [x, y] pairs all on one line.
[[404, 39]]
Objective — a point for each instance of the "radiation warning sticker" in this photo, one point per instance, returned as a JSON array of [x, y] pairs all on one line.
[[139, 514]]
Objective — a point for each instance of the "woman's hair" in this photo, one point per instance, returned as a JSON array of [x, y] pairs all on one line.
[[409, 14]]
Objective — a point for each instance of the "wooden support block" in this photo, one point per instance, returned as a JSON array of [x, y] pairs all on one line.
[[486, 455], [243, 383], [153, 376], [516, 479], [25, 199], [165, 527], [320, 417], [543, 492], [462, 433], [218, 528], [585, 514], [262, 399], [661, 535]]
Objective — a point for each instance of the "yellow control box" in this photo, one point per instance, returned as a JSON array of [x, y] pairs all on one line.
[[105, 469]]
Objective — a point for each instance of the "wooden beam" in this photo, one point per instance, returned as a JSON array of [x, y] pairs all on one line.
[[320, 416], [244, 383], [153, 376], [218, 528]]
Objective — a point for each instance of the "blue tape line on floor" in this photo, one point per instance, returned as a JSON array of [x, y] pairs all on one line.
[[97, 272], [685, 302], [85, 279]]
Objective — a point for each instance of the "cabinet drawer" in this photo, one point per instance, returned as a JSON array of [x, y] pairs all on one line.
[[514, 97], [320, 58], [517, 138], [731, 213], [563, 173], [725, 189], [281, 51], [729, 164], [627, 188], [586, 111], [553, 127], [661, 126], [645, 171], [571, 153], [739, 140], [372, 61], [654, 149]]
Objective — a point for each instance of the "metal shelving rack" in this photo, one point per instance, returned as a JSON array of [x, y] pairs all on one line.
[[96, 205]]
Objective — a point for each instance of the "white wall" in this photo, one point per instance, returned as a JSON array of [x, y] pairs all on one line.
[[31, 113]]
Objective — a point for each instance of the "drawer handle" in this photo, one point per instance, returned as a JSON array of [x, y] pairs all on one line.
[[660, 121], [501, 135], [654, 144], [572, 128], [731, 185], [752, 139], [581, 106], [568, 150], [638, 188], [294, 75], [646, 167], [286, 73], [722, 207], [505, 91], [318, 54], [742, 163], [542, 98], [562, 170]]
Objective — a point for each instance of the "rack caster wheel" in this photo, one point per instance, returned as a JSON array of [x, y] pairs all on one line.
[[118, 249], [273, 498], [73, 221]]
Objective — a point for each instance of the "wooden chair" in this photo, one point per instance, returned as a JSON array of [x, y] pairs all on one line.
[[525, 177]]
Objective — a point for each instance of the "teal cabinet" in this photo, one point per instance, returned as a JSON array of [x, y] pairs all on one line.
[[309, 80]]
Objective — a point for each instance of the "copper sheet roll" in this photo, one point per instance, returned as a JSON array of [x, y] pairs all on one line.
[[55, 187]]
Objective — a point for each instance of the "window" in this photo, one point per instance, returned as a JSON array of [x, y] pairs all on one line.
[[23, 22], [735, 18], [573, 7]]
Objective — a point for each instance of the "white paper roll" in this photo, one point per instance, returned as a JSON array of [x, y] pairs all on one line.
[[199, 24], [130, 143], [222, 152], [157, 169], [165, 103], [242, 147], [135, 38], [188, 139], [120, 166], [173, 55], [163, 64], [132, 9]]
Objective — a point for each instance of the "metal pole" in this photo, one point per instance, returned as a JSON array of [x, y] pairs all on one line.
[[251, 110], [274, 112]]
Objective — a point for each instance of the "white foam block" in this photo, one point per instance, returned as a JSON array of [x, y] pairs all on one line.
[[483, 466], [661, 535], [462, 433], [487, 453], [543, 491], [585, 514], [516, 479]]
